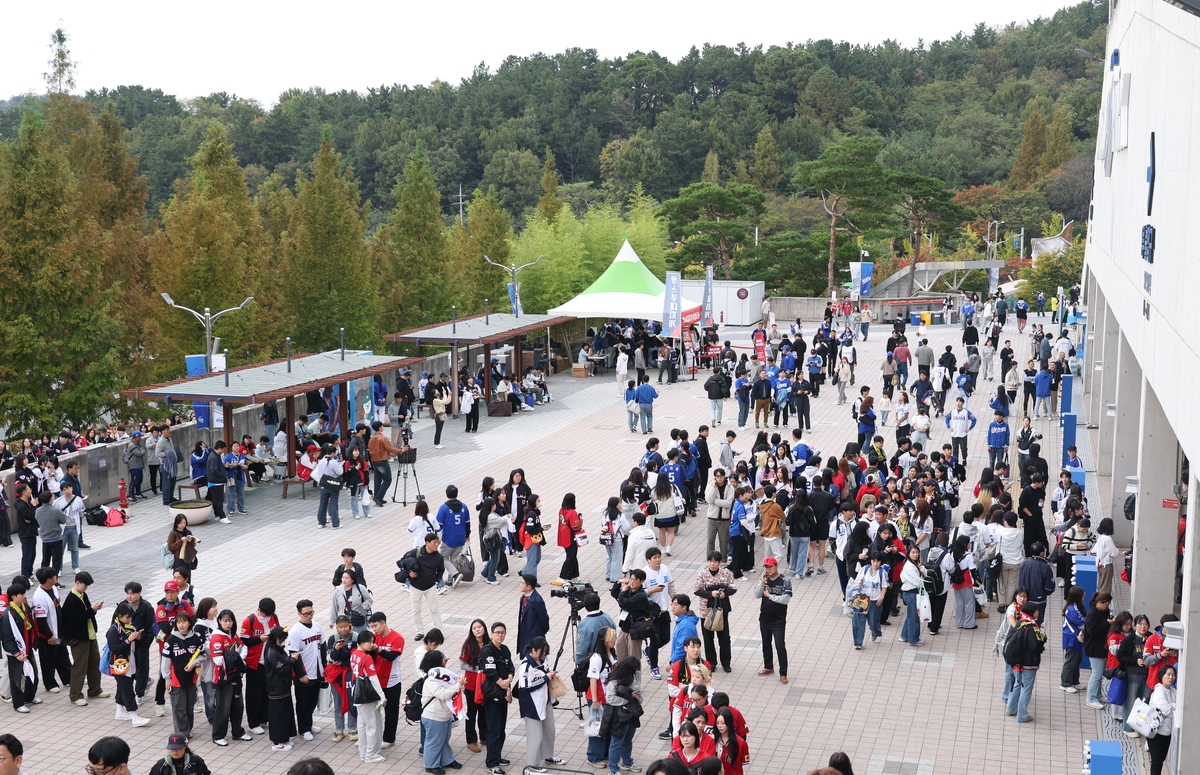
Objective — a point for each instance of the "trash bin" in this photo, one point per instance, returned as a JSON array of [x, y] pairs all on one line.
[[953, 318], [926, 318], [914, 319], [939, 318]]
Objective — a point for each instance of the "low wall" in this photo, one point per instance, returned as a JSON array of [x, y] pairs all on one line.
[[811, 309]]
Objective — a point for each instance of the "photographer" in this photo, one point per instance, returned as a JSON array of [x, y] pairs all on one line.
[[636, 607], [399, 414], [589, 627], [381, 451]]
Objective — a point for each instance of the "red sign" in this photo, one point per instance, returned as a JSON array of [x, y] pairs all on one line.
[[742, 293], [1170, 503], [712, 351]]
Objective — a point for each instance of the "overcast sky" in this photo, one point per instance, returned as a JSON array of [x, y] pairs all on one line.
[[257, 49]]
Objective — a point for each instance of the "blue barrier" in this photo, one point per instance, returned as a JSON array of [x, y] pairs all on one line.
[[1065, 399], [1066, 421]]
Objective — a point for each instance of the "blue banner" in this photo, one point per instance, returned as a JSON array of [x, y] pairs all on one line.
[[673, 304], [866, 275], [196, 368], [706, 306], [514, 298], [993, 280]]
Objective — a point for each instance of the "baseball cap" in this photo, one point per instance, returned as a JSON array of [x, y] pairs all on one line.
[[770, 561], [176, 742], [171, 586], [135, 435]]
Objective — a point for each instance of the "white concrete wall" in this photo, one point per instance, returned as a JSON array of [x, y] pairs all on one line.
[[1160, 50]]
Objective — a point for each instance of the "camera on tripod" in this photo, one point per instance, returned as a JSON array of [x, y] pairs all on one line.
[[573, 591]]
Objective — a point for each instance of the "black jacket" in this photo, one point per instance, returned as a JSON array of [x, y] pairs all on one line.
[[143, 621], [358, 575], [1037, 576], [1095, 634], [280, 669], [715, 387], [27, 526], [497, 665], [429, 568], [532, 621], [635, 603], [74, 616], [214, 469], [704, 460], [190, 764]]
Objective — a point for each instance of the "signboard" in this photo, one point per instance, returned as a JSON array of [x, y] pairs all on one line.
[[514, 298], [993, 280], [742, 293], [673, 305], [706, 305], [861, 274], [1170, 503], [195, 368]]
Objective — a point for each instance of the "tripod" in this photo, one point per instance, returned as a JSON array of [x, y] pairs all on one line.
[[572, 628], [408, 462]]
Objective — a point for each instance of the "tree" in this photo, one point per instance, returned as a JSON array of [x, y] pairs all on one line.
[[1047, 273], [789, 262], [923, 203], [488, 233], [625, 163], [768, 162], [58, 337], [418, 245], [60, 79], [1027, 167], [329, 268], [710, 221], [850, 182], [1060, 143], [712, 169], [549, 204]]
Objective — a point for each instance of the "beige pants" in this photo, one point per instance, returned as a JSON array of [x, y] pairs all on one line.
[[430, 597], [1007, 583], [627, 646]]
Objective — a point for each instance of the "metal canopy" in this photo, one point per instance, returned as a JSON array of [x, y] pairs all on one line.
[[928, 273], [480, 329], [272, 381]]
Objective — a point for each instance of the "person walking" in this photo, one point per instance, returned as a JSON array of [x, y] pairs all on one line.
[[496, 689], [774, 591], [645, 398], [329, 473], [534, 703], [570, 526], [423, 568]]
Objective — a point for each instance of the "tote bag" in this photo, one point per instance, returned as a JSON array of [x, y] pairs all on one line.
[[924, 607]]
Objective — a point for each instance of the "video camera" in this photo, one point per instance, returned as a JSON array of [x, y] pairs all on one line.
[[573, 591]]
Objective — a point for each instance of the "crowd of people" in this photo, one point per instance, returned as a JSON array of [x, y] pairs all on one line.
[[885, 510]]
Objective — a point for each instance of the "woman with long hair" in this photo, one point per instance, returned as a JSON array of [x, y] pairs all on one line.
[[487, 490], [1074, 616], [912, 579], [962, 565], [903, 410], [1095, 632], [728, 746], [121, 639], [504, 509], [1012, 617], [228, 656], [622, 712], [690, 747], [492, 528], [666, 518], [279, 666], [600, 665], [199, 458], [182, 544], [356, 476], [570, 525], [471, 666], [1130, 655]]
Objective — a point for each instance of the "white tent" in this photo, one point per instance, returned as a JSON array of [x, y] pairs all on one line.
[[627, 289]]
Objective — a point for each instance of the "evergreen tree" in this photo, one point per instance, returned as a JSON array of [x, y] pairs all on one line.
[[329, 269], [923, 203], [712, 169], [710, 221], [213, 255], [768, 162], [58, 339], [487, 233], [550, 202], [418, 246], [1060, 143], [646, 232], [1027, 167]]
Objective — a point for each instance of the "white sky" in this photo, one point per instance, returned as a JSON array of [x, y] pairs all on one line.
[[257, 49]]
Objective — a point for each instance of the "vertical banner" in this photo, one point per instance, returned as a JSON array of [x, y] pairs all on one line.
[[195, 368], [993, 280], [673, 305], [514, 298], [855, 279], [706, 306], [865, 278], [215, 411]]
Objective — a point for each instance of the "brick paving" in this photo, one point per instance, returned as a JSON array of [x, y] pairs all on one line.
[[894, 710]]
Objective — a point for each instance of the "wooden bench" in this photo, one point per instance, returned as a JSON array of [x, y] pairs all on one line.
[[428, 407], [195, 488], [295, 480]]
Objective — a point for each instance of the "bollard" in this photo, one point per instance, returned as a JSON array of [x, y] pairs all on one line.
[[1066, 421], [1064, 399]]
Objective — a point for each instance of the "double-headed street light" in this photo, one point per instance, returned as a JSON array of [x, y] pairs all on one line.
[[206, 320]]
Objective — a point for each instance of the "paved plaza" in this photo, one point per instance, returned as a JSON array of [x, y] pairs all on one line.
[[895, 710]]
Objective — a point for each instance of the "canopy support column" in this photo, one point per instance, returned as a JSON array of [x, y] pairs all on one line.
[[291, 436]]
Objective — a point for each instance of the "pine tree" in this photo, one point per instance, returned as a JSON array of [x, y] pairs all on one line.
[[1027, 167], [1060, 143], [550, 202], [487, 233], [329, 269], [712, 169], [58, 338], [214, 255], [768, 162], [418, 246]]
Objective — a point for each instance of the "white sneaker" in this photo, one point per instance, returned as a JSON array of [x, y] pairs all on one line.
[[221, 743], [258, 730], [667, 551], [1069, 689], [160, 711], [140, 722], [55, 690], [307, 736], [122, 715], [316, 730], [442, 590], [374, 759], [385, 745], [225, 521], [438, 446], [282, 747]]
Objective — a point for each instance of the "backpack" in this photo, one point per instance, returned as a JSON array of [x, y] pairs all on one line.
[[125, 455], [935, 582], [957, 576], [644, 625], [106, 660], [413, 708], [112, 518], [1130, 508]]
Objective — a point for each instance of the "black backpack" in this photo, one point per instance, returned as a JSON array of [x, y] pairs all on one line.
[[935, 582], [413, 707], [1014, 646], [1130, 506], [957, 576]]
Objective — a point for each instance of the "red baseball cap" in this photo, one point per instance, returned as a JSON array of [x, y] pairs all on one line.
[[172, 586]]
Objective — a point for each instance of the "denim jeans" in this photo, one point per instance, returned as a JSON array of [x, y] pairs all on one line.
[[1041, 405], [597, 747], [71, 542], [533, 555], [858, 625], [1010, 678], [489, 567], [1096, 680], [647, 413], [995, 457], [743, 413], [383, 479], [1022, 691], [235, 494], [328, 503], [902, 371], [168, 489], [616, 557], [339, 719], [437, 743], [360, 496], [911, 631], [620, 749], [715, 407], [865, 328], [799, 555], [633, 419]]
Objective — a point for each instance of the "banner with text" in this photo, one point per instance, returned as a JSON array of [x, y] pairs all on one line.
[[673, 305], [706, 306]]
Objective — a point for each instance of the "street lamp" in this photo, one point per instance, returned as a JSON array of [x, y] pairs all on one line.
[[207, 320], [513, 270], [1088, 55]]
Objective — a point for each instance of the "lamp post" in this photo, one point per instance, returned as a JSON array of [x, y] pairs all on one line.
[[206, 320], [512, 270]]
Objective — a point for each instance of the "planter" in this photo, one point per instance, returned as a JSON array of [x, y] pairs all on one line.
[[197, 512]]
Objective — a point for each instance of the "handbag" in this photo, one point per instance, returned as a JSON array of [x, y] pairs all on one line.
[[631, 406], [492, 541], [333, 483], [595, 716], [556, 687], [606, 535], [924, 607], [581, 538], [1116, 690], [364, 692], [1143, 719], [714, 620]]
